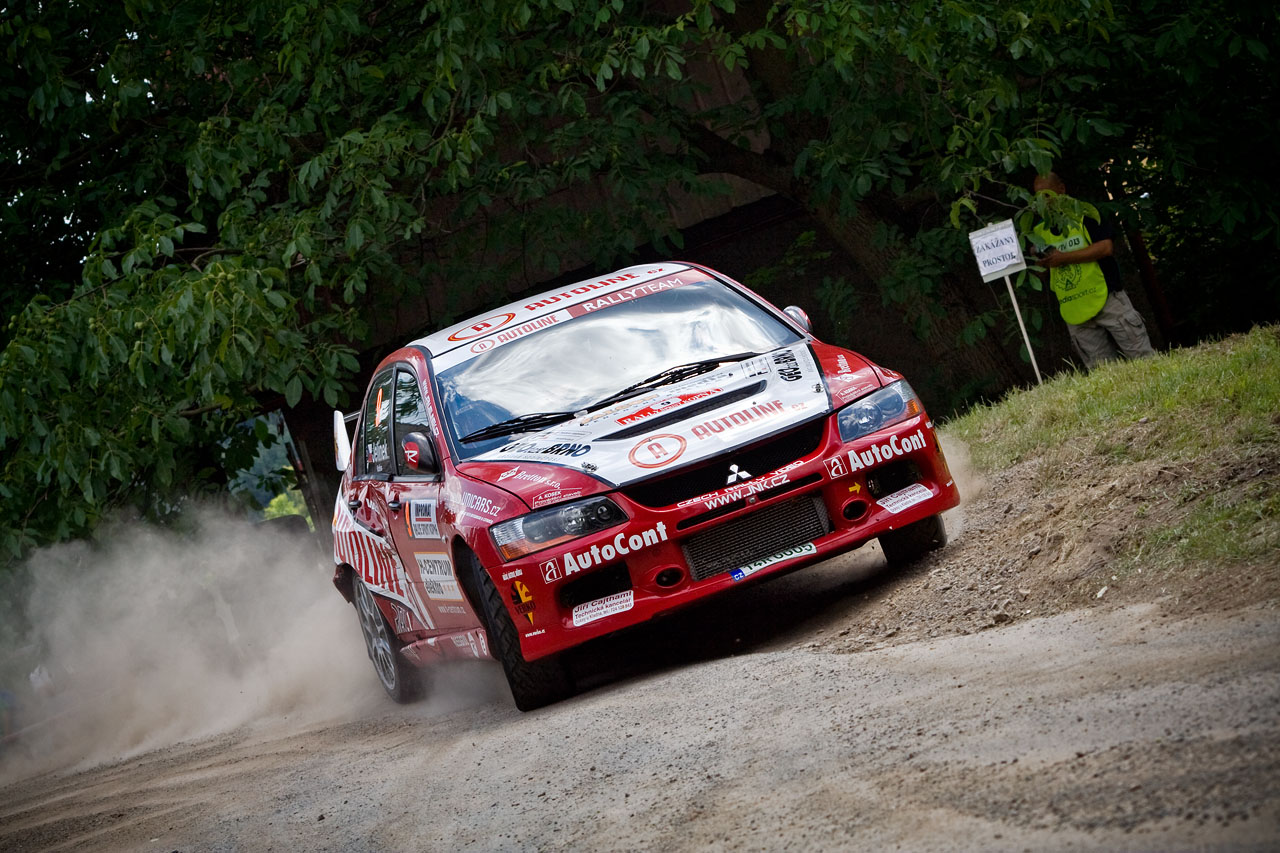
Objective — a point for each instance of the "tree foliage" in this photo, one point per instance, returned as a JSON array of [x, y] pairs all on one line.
[[205, 203]]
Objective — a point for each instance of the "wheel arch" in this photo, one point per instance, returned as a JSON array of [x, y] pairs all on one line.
[[462, 554], [344, 579]]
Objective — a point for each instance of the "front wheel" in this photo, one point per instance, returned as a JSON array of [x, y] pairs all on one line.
[[908, 544], [401, 679], [532, 684]]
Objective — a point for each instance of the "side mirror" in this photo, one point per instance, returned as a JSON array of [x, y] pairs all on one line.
[[419, 454], [797, 313], [341, 441]]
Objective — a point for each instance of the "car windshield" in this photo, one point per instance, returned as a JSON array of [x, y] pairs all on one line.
[[569, 366]]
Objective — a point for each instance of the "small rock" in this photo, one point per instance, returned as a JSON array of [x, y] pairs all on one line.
[[1101, 592], [1034, 551], [320, 818], [1144, 420]]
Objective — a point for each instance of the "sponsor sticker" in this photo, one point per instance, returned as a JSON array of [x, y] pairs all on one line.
[[906, 498], [621, 545], [412, 453], [756, 367], [836, 467], [593, 611], [732, 494], [842, 364], [451, 608], [514, 573], [580, 290], [537, 633], [657, 451], [666, 404], [883, 452], [551, 570], [523, 600], [627, 294], [553, 496], [482, 328], [707, 429], [422, 520], [782, 556], [537, 448], [482, 506], [788, 369], [851, 392], [437, 577]]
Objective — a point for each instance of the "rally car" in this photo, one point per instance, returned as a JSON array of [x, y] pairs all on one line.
[[584, 460]]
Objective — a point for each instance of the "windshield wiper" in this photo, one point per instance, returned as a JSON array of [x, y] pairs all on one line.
[[523, 423], [672, 374]]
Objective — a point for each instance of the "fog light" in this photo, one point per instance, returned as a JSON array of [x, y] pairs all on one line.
[[669, 577], [854, 510]]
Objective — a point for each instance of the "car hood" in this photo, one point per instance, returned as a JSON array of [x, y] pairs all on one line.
[[672, 427]]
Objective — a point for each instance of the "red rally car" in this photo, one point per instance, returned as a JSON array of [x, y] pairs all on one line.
[[582, 461]]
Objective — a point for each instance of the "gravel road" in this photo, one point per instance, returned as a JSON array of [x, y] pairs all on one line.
[[731, 727]]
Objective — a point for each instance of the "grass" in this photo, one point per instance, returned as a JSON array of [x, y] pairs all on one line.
[[1208, 417]]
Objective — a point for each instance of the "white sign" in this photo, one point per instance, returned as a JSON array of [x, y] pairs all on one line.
[[619, 602], [906, 498], [997, 249]]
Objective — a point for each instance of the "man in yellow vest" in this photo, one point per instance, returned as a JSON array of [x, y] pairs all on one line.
[[1083, 274]]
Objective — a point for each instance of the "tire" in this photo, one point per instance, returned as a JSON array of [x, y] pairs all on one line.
[[535, 684], [905, 546], [402, 680]]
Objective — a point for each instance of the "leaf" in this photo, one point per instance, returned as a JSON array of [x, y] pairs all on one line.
[[293, 391]]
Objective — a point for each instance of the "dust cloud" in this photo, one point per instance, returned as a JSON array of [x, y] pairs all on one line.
[[151, 636], [970, 483]]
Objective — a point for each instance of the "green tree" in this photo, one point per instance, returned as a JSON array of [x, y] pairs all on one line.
[[206, 203]]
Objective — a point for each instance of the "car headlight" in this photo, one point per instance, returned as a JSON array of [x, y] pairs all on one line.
[[890, 405], [548, 527]]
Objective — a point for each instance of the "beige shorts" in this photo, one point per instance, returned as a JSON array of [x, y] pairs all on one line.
[[1114, 331]]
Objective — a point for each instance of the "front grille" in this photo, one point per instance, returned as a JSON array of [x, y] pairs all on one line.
[[755, 536], [758, 460]]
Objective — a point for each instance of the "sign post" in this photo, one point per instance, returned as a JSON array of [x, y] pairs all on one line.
[[999, 254]]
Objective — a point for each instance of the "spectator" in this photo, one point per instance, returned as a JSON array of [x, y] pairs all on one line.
[[1083, 274]]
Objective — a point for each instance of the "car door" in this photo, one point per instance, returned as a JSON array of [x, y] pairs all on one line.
[[372, 548], [413, 501]]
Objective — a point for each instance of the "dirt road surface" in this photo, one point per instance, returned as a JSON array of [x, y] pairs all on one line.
[[1011, 692], [733, 729]]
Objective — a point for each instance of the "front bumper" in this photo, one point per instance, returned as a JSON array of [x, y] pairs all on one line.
[[830, 500]]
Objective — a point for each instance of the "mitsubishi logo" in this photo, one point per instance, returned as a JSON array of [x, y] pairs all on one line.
[[735, 475]]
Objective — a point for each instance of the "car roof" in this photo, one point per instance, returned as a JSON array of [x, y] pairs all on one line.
[[547, 302]]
